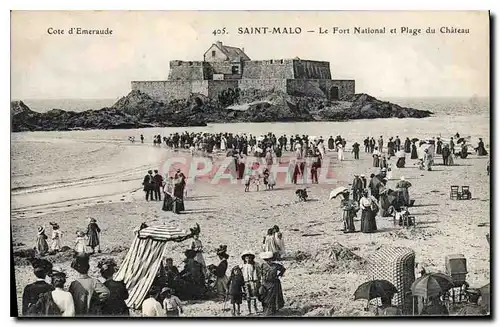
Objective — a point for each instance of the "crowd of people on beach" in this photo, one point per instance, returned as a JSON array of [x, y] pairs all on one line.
[[88, 296], [250, 281]]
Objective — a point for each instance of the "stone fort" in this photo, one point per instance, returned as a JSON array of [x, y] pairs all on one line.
[[225, 67]]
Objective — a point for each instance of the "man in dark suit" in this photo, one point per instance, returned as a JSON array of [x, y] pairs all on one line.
[[148, 185], [33, 291], [158, 183]]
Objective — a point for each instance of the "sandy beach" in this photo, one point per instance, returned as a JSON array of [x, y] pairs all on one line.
[[315, 283]]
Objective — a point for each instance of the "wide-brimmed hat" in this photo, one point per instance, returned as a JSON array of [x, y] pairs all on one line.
[[80, 234], [266, 255], [41, 229], [362, 175], [222, 249], [92, 220], [247, 254]]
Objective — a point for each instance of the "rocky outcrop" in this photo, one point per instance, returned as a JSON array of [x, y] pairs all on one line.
[[137, 110]]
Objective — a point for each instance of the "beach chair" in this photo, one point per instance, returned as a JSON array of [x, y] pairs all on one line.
[[465, 195], [454, 193]]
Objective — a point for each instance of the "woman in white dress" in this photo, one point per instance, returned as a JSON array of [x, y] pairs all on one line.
[[340, 152], [223, 144]]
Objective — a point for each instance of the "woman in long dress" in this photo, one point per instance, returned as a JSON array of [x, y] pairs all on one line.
[[168, 191], [179, 184], [220, 273], [93, 232], [340, 152], [271, 293], [197, 246], [41, 245], [367, 217], [223, 144], [414, 153]]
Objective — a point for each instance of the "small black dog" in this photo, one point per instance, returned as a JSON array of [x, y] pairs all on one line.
[[302, 194]]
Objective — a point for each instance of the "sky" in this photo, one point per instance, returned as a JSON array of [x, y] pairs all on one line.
[[47, 66]]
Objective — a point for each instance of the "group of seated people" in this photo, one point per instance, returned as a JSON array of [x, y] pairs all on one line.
[[189, 283]]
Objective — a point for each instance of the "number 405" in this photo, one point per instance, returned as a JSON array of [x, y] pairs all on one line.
[[219, 31]]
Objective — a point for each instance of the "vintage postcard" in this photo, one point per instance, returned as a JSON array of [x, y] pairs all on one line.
[[250, 163]]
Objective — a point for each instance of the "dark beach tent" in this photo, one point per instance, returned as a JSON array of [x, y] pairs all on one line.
[[138, 269]]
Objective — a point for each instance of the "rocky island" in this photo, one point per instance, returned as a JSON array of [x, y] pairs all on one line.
[[138, 110]]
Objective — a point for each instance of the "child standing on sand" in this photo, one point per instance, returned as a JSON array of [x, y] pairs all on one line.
[[41, 245], [80, 243], [235, 289], [251, 276], [55, 246]]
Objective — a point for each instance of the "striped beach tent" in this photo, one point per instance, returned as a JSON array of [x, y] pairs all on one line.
[[138, 269]]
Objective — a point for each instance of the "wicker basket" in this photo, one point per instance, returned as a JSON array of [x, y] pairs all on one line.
[[396, 265]]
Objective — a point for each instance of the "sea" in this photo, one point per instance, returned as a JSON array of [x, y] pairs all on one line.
[[52, 169]]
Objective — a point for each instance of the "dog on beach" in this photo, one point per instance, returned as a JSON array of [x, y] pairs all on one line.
[[302, 194]]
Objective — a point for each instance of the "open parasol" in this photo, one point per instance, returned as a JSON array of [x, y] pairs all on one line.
[[432, 284], [374, 289], [339, 190]]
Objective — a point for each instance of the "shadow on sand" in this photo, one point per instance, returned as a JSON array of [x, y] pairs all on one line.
[[189, 211]]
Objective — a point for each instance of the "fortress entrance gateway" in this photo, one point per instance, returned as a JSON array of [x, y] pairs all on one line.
[[334, 93]]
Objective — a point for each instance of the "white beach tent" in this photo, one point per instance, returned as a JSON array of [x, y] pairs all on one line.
[[138, 269]]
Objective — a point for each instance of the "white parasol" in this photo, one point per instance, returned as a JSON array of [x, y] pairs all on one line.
[[260, 138], [259, 150], [337, 191]]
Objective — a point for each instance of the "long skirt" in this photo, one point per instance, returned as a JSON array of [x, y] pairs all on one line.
[[221, 285], [367, 222], [272, 299], [414, 154], [178, 205], [93, 239], [376, 161], [42, 246], [168, 202], [241, 170], [348, 218]]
